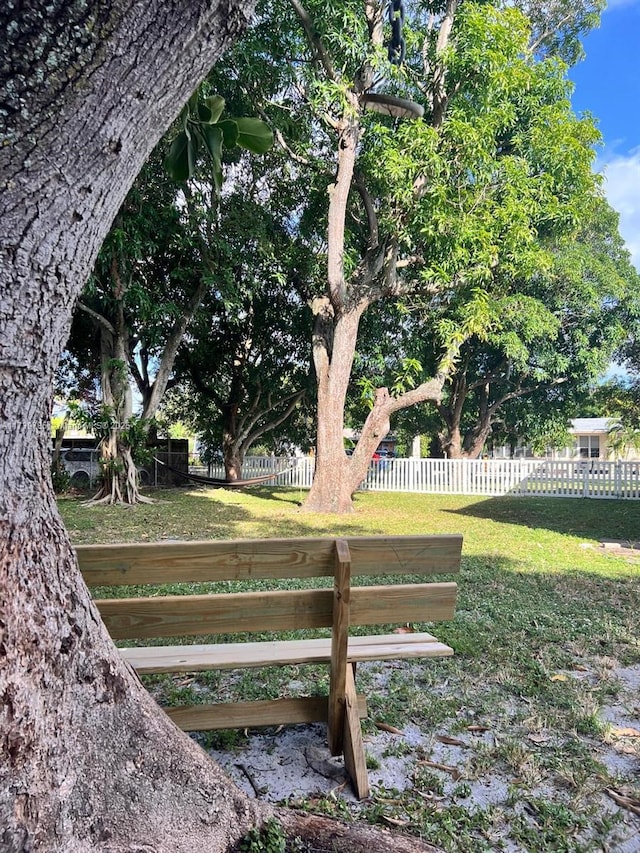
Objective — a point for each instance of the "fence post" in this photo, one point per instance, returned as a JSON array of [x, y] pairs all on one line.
[[617, 479]]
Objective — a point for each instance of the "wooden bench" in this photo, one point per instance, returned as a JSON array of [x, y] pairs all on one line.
[[220, 613]]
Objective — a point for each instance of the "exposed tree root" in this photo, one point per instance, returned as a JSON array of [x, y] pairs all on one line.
[[326, 835]]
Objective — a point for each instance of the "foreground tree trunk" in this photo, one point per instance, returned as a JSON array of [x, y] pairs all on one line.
[[87, 761]]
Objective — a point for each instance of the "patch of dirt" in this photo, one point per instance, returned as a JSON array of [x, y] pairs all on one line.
[[621, 547], [294, 763]]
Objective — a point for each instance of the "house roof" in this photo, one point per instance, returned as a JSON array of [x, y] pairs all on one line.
[[585, 425]]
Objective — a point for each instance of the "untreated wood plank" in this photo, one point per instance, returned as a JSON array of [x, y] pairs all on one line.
[[199, 562], [405, 555], [245, 559], [339, 643], [354, 755], [175, 616], [147, 660], [381, 605], [225, 613], [241, 715]]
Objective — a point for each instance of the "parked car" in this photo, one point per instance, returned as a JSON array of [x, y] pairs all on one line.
[[82, 465], [383, 453]]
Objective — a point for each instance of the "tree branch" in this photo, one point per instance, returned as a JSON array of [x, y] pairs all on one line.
[[321, 57], [372, 216], [97, 317], [158, 387], [440, 98], [294, 399]]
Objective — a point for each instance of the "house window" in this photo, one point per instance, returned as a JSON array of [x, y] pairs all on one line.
[[588, 446]]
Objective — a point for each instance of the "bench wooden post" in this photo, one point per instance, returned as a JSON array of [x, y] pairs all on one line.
[[355, 759], [339, 644]]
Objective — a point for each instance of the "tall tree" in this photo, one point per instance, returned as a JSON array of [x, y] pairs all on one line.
[[145, 288], [551, 337], [245, 363], [87, 760], [150, 277], [419, 210]]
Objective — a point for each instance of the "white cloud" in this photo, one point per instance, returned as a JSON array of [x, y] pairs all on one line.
[[622, 187]]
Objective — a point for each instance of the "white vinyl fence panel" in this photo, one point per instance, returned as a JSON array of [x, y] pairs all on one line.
[[589, 478]]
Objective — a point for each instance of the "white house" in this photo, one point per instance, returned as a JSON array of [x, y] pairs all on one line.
[[591, 441], [591, 437]]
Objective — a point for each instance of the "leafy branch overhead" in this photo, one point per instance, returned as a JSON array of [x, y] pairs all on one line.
[[205, 132]]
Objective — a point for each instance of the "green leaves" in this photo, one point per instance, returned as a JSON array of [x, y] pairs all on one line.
[[204, 133], [177, 160], [215, 105], [213, 137], [407, 377], [253, 135]]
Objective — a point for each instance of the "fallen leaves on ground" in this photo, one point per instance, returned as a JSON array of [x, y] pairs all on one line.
[[626, 731], [539, 737], [452, 771], [395, 821], [450, 741]]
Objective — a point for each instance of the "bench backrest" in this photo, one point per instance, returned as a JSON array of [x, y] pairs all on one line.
[[260, 559]]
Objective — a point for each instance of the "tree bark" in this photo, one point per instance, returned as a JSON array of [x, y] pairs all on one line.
[[86, 760], [329, 836], [334, 344]]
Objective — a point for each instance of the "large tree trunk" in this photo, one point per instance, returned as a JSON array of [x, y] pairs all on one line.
[[87, 761], [336, 476]]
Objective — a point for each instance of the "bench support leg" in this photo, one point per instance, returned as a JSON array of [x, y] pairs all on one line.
[[354, 755], [339, 643]]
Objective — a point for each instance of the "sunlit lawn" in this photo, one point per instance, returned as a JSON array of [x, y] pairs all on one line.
[[546, 627]]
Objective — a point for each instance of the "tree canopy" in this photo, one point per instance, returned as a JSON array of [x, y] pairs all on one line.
[[443, 218]]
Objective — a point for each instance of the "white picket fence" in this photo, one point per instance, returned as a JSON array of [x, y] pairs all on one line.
[[589, 478]]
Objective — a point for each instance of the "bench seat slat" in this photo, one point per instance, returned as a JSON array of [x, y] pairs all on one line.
[[281, 610], [196, 658], [250, 559]]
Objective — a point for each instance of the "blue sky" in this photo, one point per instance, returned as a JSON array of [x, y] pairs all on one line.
[[607, 84]]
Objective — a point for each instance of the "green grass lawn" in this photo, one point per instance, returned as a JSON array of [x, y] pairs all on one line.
[[547, 662]]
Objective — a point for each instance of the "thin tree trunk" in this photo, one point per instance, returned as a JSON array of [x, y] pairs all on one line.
[[56, 458]]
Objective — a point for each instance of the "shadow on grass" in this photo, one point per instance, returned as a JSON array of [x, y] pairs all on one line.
[[588, 518], [540, 620], [292, 496]]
